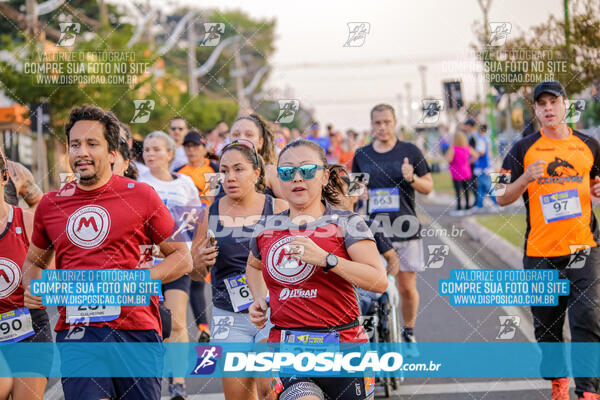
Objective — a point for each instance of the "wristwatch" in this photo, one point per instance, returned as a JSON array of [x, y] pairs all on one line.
[[331, 260], [413, 180]]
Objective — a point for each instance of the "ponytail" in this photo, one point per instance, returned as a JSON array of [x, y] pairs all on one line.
[[333, 191], [267, 151]]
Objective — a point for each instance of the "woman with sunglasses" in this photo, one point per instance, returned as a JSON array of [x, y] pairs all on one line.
[[257, 130], [234, 218], [176, 191], [22, 324], [310, 263]]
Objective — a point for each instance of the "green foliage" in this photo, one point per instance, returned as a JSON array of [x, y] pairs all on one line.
[[168, 89]]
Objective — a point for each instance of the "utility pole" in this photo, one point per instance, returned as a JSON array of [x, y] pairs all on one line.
[[191, 59], [485, 8], [32, 18], [423, 71], [239, 82], [568, 44], [407, 87]]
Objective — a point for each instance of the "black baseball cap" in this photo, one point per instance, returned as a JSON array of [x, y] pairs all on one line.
[[470, 122], [194, 137], [552, 87]]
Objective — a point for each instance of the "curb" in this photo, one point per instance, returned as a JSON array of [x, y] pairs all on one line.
[[506, 251]]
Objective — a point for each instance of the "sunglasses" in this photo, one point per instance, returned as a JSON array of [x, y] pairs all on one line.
[[244, 143], [307, 171], [176, 128]]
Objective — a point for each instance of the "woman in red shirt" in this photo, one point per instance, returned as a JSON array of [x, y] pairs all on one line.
[[20, 323], [311, 258]]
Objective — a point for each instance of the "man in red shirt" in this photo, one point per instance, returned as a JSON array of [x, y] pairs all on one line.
[[103, 221]]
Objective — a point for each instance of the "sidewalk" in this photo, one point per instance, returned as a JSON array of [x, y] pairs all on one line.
[[507, 252]]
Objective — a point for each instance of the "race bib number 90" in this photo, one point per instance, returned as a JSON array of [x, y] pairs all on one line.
[[384, 200], [15, 325], [561, 205]]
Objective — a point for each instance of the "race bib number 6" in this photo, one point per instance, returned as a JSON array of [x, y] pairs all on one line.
[[240, 295]]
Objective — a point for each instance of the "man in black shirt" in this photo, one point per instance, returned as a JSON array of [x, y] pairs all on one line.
[[396, 169]]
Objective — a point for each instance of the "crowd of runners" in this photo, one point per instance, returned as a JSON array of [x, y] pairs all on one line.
[[272, 233]]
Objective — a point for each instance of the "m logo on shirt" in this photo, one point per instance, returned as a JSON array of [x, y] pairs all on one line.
[[284, 269], [10, 277], [88, 226]]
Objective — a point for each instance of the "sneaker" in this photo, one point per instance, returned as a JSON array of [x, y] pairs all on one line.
[[590, 396], [177, 391], [560, 389], [410, 345]]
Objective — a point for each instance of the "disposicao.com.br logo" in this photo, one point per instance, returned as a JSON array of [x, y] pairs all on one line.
[[325, 362]]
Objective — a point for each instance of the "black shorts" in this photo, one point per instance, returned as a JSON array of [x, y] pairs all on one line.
[[184, 283], [32, 360], [328, 388]]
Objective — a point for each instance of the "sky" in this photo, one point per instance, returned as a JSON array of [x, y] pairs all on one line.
[[349, 81]]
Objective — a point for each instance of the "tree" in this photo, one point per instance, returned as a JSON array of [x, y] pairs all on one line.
[[527, 58]]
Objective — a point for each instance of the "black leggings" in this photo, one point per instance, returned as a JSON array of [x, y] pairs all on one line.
[[198, 302], [461, 188], [583, 304]]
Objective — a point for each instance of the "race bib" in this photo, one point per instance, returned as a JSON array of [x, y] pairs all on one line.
[[161, 297], [240, 295], [384, 200], [300, 337], [15, 325], [297, 341], [561, 205], [86, 314]]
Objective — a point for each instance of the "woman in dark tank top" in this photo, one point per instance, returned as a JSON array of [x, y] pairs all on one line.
[[232, 220]]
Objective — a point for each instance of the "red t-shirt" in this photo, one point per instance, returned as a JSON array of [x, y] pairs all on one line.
[[109, 227], [13, 249], [305, 296]]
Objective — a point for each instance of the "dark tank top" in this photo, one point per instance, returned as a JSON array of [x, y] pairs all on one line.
[[233, 253]]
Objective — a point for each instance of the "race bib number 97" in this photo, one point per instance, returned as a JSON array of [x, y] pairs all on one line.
[[561, 205]]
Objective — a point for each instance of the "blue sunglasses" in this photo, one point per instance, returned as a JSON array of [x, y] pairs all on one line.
[[307, 171]]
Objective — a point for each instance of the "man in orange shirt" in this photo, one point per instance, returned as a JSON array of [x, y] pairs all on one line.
[[198, 165], [557, 171]]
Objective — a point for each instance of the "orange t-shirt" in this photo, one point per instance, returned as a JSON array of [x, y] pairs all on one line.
[[197, 175], [559, 211]]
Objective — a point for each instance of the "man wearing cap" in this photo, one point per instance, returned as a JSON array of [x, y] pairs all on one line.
[[198, 164], [557, 171]]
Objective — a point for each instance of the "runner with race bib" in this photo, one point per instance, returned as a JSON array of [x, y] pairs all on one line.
[[396, 170], [102, 222], [556, 171], [311, 260], [17, 322], [234, 217], [181, 197]]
